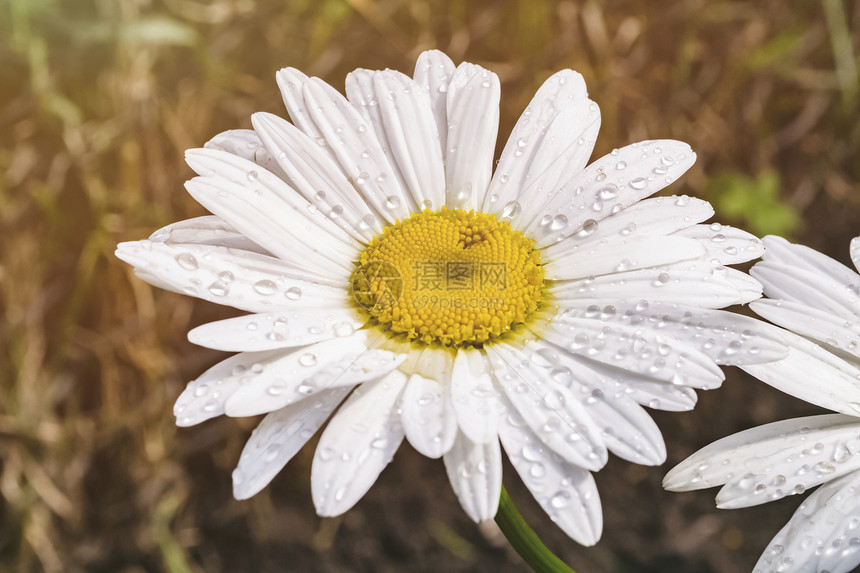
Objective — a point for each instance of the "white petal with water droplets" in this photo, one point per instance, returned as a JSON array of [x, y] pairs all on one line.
[[291, 83], [824, 327], [433, 72], [550, 410], [725, 245], [771, 461], [622, 255], [428, 416], [626, 429], [475, 400], [854, 250], [812, 374], [206, 230], [335, 362], [279, 437], [270, 330], [247, 144], [810, 287], [356, 445], [262, 207], [603, 189], [400, 112], [267, 223], [317, 177], [634, 348], [551, 141], [205, 397], [473, 125], [475, 473], [241, 279], [647, 218], [642, 389], [780, 252], [694, 283], [821, 535], [362, 94], [357, 149], [566, 492], [725, 337]]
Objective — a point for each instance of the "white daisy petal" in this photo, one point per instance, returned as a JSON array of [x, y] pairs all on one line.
[[317, 177], [357, 149], [812, 374], [782, 253], [821, 535], [551, 410], [433, 72], [724, 244], [725, 337], [356, 445], [475, 473], [292, 376], [659, 395], [634, 349], [264, 208], [642, 389], [855, 252], [204, 398], [241, 279], [810, 322], [406, 127], [206, 230], [473, 124], [554, 136], [566, 492], [428, 416], [362, 94], [693, 283], [270, 330], [292, 83], [623, 255], [650, 217], [605, 187], [247, 144], [793, 283], [628, 431], [475, 400], [279, 437], [771, 461]]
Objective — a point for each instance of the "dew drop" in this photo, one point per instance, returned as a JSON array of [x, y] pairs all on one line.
[[187, 261], [265, 287], [343, 329], [253, 176], [307, 359], [294, 293], [218, 288], [511, 210], [638, 183]]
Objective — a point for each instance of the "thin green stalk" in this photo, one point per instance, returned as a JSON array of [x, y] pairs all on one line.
[[525, 541]]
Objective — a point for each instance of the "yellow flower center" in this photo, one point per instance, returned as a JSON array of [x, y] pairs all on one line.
[[451, 277]]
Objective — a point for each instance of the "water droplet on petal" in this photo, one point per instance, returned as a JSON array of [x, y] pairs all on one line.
[[187, 261], [294, 293], [265, 287], [638, 183]]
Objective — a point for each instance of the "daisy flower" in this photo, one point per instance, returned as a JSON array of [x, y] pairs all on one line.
[[393, 276], [816, 299]]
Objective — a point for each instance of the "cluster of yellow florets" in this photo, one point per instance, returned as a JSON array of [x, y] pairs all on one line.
[[450, 276]]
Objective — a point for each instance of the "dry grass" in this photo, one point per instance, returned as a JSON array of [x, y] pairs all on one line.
[[98, 101]]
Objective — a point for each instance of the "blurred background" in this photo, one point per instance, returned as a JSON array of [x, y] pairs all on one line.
[[98, 101]]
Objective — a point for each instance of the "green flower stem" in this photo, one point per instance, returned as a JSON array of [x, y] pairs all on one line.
[[525, 541]]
